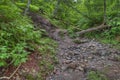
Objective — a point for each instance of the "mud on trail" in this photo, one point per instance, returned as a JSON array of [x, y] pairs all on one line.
[[77, 60]]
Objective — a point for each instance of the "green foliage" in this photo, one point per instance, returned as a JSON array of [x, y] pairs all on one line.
[[18, 37], [96, 76], [12, 48], [82, 15], [110, 34], [33, 8], [11, 9], [47, 52], [72, 31], [46, 7]]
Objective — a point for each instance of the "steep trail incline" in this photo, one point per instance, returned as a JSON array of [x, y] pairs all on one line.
[[75, 61]]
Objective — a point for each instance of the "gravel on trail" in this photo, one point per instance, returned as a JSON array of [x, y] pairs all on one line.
[[76, 60], [77, 57]]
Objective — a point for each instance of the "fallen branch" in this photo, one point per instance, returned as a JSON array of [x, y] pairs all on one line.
[[8, 78], [102, 26]]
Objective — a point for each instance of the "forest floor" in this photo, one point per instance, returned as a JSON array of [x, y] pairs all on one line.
[[79, 58], [76, 61]]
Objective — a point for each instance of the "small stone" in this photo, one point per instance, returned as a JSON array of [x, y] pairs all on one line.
[[90, 57], [103, 53], [34, 71], [73, 65], [94, 52], [77, 70], [56, 71], [115, 70], [79, 58], [86, 60], [64, 68], [82, 65], [67, 61], [80, 68], [68, 58], [71, 53], [70, 70], [76, 53], [61, 54], [65, 54], [102, 57]]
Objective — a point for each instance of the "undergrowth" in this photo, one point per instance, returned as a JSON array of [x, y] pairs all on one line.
[[18, 38], [96, 76], [111, 35], [48, 57]]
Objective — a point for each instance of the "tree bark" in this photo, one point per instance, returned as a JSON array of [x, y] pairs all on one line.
[[104, 12], [102, 26], [56, 8], [27, 8]]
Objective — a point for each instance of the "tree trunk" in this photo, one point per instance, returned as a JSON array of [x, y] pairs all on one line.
[[56, 8], [102, 26], [27, 8], [104, 12]]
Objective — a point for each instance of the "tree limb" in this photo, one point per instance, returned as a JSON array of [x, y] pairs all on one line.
[[100, 27]]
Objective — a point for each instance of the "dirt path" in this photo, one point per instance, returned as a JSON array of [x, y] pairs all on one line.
[[76, 61]]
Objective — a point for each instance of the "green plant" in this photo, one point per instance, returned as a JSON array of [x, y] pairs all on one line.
[[47, 52], [17, 35], [33, 8], [114, 31], [96, 76]]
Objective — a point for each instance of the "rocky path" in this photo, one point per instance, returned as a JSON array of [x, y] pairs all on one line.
[[78, 57], [77, 60]]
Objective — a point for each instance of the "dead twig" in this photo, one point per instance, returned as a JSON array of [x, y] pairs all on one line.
[[5, 77]]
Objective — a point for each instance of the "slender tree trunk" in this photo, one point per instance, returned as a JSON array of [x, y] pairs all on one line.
[[27, 8], [104, 12], [56, 8], [69, 4]]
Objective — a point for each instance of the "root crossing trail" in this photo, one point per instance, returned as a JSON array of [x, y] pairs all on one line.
[[77, 60]]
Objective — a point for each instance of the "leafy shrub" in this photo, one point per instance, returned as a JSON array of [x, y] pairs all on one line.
[[17, 36], [114, 31], [32, 7], [96, 76]]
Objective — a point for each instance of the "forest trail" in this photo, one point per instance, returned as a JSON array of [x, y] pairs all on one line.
[[77, 57]]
